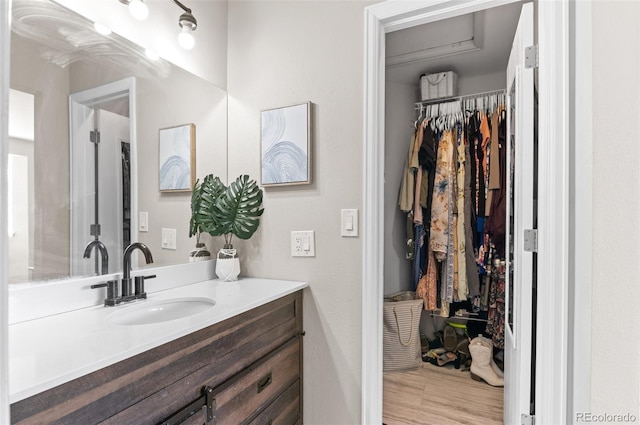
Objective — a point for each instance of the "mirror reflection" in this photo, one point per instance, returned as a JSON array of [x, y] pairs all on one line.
[[85, 111]]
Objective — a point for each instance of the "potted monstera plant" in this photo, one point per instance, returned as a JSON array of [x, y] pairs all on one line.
[[227, 211]]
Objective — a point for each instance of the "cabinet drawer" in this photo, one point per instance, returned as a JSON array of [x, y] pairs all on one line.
[[240, 398], [284, 410]]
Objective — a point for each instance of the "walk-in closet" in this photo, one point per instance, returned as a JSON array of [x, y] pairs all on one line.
[[452, 199]]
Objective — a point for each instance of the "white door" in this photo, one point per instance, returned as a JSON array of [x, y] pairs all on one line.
[[113, 130], [520, 217]]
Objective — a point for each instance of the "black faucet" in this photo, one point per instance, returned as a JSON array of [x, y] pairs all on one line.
[[96, 244], [126, 266], [112, 286]]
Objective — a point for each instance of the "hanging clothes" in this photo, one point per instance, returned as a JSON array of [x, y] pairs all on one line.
[[419, 235], [441, 197], [427, 157], [407, 192], [427, 287], [462, 287], [494, 161], [427, 284], [496, 316], [497, 223], [472, 129], [449, 197], [484, 147]]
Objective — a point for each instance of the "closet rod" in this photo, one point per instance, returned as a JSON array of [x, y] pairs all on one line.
[[457, 98]]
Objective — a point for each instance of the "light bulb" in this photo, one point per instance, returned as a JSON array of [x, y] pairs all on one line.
[[185, 39], [138, 10]]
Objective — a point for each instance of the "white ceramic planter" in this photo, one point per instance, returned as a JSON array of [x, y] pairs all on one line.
[[227, 265]]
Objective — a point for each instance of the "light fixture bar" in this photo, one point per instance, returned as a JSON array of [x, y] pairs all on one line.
[[186, 21], [182, 6]]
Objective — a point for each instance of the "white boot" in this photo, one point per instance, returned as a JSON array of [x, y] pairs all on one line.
[[481, 363], [494, 366]]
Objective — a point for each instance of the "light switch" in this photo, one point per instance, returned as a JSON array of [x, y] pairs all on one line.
[[143, 221], [303, 244], [349, 222], [349, 225], [168, 238]]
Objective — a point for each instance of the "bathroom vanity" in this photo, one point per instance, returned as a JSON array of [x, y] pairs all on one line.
[[237, 362]]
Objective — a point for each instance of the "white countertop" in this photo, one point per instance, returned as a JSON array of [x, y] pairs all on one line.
[[50, 351]]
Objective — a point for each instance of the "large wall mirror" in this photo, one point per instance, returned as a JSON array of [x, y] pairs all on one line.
[[70, 188]]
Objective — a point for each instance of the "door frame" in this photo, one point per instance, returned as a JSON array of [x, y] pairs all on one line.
[[552, 383], [5, 40], [95, 97]]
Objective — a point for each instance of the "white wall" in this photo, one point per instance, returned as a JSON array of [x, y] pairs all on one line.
[[615, 339], [400, 113], [482, 82], [280, 53], [192, 100], [50, 85]]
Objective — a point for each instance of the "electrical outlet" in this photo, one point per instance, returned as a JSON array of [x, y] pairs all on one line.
[[303, 244]]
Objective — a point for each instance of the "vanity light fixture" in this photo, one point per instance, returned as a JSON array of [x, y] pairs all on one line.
[[188, 25], [187, 21]]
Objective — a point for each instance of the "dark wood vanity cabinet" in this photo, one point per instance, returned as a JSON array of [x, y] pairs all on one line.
[[251, 364]]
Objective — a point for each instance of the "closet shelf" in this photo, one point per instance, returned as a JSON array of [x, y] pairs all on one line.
[[459, 98], [436, 313]]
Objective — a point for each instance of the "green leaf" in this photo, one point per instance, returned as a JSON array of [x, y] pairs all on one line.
[[207, 213], [238, 210], [196, 197]]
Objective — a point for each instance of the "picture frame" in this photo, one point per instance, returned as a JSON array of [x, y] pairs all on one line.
[[177, 158], [285, 145]]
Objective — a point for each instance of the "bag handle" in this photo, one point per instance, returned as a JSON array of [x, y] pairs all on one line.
[[439, 78], [400, 333]]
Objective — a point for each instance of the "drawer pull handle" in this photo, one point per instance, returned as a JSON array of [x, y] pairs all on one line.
[[264, 382]]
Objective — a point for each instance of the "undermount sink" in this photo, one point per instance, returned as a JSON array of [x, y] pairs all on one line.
[[148, 312]]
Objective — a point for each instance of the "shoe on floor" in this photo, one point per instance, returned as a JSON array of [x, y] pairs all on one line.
[[450, 339]]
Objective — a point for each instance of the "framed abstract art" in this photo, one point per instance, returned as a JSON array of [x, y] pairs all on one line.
[[177, 158], [286, 145]]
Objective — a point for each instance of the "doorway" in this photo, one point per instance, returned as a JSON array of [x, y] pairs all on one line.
[[20, 176], [478, 50], [552, 18], [102, 123]]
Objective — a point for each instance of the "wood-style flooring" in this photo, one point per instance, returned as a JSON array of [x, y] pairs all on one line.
[[435, 395]]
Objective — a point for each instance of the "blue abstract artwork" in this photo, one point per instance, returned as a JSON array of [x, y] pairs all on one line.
[[285, 145], [175, 154]]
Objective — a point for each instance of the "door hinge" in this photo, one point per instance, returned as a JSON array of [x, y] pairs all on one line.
[[531, 56], [531, 240], [526, 419], [94, 136]]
